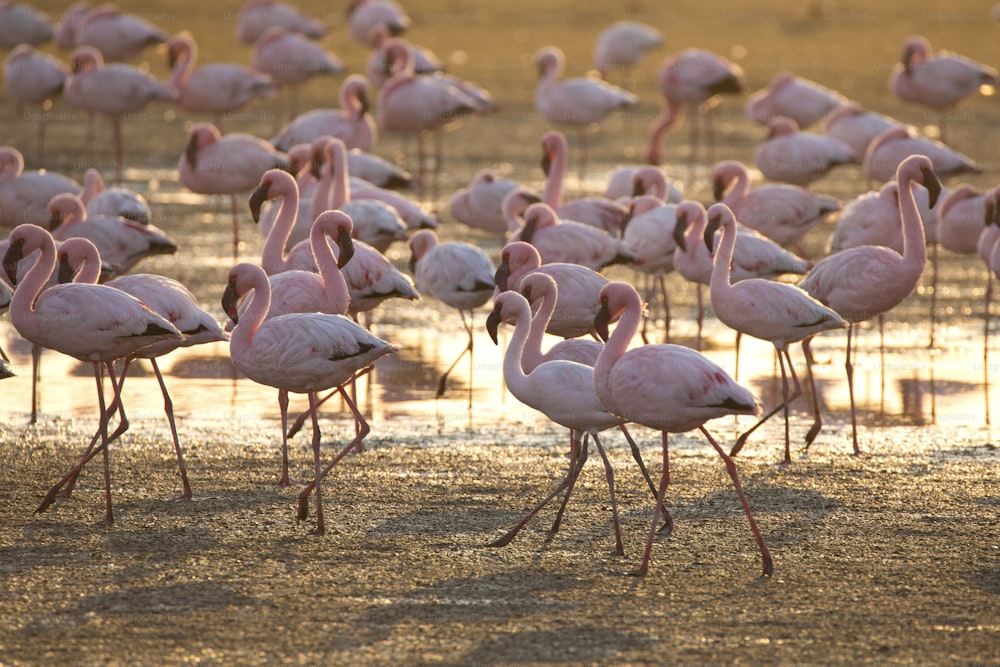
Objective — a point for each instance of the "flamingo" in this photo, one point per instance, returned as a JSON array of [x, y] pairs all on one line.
[[65, 29], [600, 212], [217, 164], [888, 150], [36, 78], [301, 353], [802, 100], [577, 102], [6, 294], [351, 123], [114, 90], [693, 78], [569, 241], [987, 249], [114, 201], [117, 35], [23, 24], [578, 287], [564, 392], [623, 44], [480, 204], [99, 324], [456, 273], [377, 171], [865, 281], [380, 69], [780, 211], [80, 258], [855, 126], [25, 195], [960, 216], [256, 16], [789, 155], [754, 256], [215, 88], [416, 104], [627, 181], [939, 81], [776, 312], [364, 15], [649, 237], [669, 388], [872, 218], [291, 59], [121, 242]]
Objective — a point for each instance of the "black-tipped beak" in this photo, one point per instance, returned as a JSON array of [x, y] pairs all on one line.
[[502, 275], [64, 273], [602, 320], [413, 264], [933, 185], [345, 248], [191, 152], [990, 213], [680, 226], [546, 163], [14, 254], [257, 199], [710, 229], [493, 323], [528, 231], [365, 105], [316, 164], [230, 302], [718, 189]]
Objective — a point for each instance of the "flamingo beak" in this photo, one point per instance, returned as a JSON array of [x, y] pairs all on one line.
[[316, 164], [718, 189], [493, 323], [680, 226], [502, 275], [528, 231], [933, 185], [191, 152], [257, 199], [230, 302], [365, 105], [546, 163], [710, 229], [345, 248], [602, 320], [14, 254], [65, 271]]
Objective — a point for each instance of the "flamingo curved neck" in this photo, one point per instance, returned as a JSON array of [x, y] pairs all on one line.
[[334, 283], [722, 264], [532, 354], [553, 194], [22, 306], [914, 243], [272, 257], [618, 341], [513, 372], [242, 335]]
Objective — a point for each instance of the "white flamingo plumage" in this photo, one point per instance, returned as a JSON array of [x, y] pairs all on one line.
[[669, 388]]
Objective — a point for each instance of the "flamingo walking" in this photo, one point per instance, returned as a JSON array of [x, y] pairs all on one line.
[[669, 388], [301, 353], [776, 312], [865, 281], [34, 78], [99, 324]]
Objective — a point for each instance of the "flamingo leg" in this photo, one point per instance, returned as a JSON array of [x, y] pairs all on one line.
[[117, 122], [36, 378], [468, 348], [817, 419], [668, 523], [736, 367], [236, 226], [578, 456], [283, 481], [786, 399], [664, 482], [934, 292], [701, 314], [662, 280], [168, 407], [304, 415], [986, 349], [849, 367], [609, 473], [317, 469]]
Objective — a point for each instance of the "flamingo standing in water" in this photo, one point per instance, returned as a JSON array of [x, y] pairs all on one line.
[[480, 204], [23, 24], [855, 126], [256, 16], [302, 353], [865, 281], [802, 100], [891, 147], [789, 155], [669, 388], [215, 88], [623, 44], [693, 78], [115, 201], [649, 236], [364, 15], [291, 59], [116, 34], [457, 273], [25, 195], [99, 324], [352, 122], [114, 90], [35, 78], [577, 102], [6, 294], [779, 313], [939, 81], [569, 241], [987, 249]]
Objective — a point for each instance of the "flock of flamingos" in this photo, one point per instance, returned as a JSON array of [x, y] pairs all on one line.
[[329, 209]]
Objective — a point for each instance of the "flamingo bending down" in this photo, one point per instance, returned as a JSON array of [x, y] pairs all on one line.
[[802, 100], [113, 90], [302, 353], [779, 313], [98, 324], [119, 201], [789, 155], [456, 273], [600, 212], [352, 122], [692, 78], [34, 77], [25, 195], [865, 281], [670, 388]]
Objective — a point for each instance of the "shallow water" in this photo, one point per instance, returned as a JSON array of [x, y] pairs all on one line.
[[943, 386]]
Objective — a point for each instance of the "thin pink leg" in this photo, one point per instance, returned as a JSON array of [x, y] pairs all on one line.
[[664, 482], [609, 473], [168, 407]]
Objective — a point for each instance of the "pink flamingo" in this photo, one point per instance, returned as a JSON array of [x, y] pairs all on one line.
[[36, 78], [413, 213], [114, 201], [81, 259], [802, 100], [780, 211], [649, 237], [377, 171], [865, 281], [669, 388], [855, 126], [364, 15], [754, 256], [872, 218], [790, 155], [100, 324], [23, 24], [456, 273], [416, 104], [776, 312], [65, 29], [257, 16], [628, 181], [301, 353], [939, 81], [215, 88], [25, 195], [564, 392], [693, 78], [578, 287], [888, 150], [623, 44], [114, 90], [987, 249], [600, 212], [291, 59], [6, 294], [960, 216], [569, 241], [352, 122], [213, 164], [380, 68], [578, 101], [116, 34], [122, 243], [480, 204]]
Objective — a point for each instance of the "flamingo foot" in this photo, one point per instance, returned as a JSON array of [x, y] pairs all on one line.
[[813, 432]]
